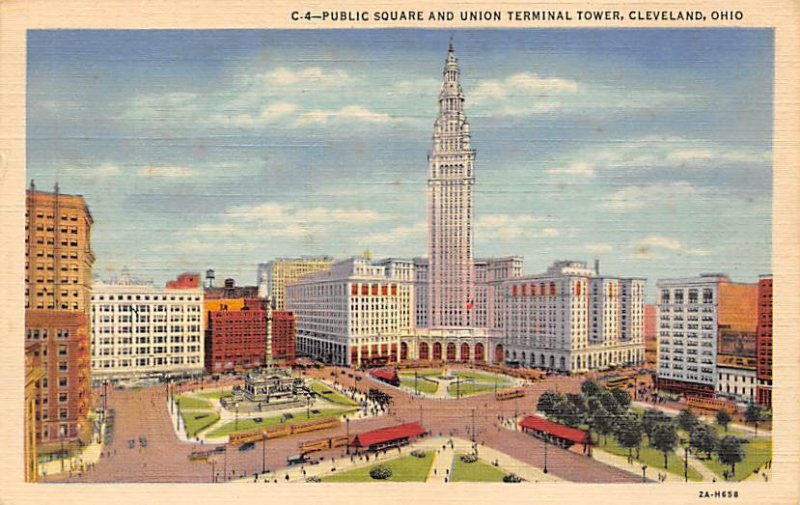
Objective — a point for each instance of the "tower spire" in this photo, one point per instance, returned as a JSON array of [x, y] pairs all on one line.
[[451, 286]]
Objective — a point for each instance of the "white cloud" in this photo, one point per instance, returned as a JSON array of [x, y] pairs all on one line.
[[271, 212], [653, 246], [106, 170], [283, 76], [277, 110], [520, 84], [165, 172], [576, 168], [350, 113], [398, 234], [599, 248], [660, 152], [510, 227], [636, 197]]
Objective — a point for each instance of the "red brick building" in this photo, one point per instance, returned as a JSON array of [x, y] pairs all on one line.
[[650, 334], [236, 338], [764, 343], [65, 389], [185, 281], [284, 336]]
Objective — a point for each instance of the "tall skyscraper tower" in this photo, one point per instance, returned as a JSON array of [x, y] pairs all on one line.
[[451, 179]]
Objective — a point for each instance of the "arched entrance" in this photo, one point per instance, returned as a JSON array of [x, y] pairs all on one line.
[[479, 352], [423, 350], [464, 352], [451, 352], [403, 351], [563, 363], [499, 356], [552, 361], [437, 351]]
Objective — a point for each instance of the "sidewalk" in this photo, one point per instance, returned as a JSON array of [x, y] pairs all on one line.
[[77, 463], [442, 463]]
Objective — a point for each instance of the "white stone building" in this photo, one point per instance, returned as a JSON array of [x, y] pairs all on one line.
[[140, 330], [736, 378], [572, 319], [274, 275], [354, 312], [687, 333]]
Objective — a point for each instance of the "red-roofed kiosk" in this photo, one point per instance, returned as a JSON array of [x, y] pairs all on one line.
[[556, 434], [384, 438]]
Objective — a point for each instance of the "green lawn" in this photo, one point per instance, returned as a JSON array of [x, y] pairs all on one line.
[[423, 386], [756, 453], [473, 389], [479, 376], [216, 395], [268, 422], [197, 421], [404, 469], [479, 471], [650, 457], [331, 395], [189, 402], [421, 372]]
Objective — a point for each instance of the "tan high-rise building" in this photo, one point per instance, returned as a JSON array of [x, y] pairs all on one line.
[[58, 273], [276, 274]]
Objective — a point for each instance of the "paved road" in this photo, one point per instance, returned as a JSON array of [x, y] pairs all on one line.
[[144, 413]]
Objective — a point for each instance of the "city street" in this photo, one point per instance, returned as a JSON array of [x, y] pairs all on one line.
[[142, 414]]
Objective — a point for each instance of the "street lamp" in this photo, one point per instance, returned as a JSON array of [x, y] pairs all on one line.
[[347, 423], [263, 452], [685, 444], [644, 470], [545, 453]]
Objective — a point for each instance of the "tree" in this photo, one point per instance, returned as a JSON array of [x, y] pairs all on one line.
[[753, 415], [686, 420], [567, 412], [664, 439], [628, 432], [547, 402], [730, 452], [600, 419], [704, 439], [609, 402], [723, 418], [622, 397], [590, 388], [651, 419]]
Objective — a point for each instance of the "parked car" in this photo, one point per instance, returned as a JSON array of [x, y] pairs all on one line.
[[247, 446]]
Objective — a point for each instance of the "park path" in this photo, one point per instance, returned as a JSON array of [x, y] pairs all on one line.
[[442, 463], [706, 472]]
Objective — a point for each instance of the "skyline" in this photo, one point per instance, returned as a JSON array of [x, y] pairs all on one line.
[[175, 129]]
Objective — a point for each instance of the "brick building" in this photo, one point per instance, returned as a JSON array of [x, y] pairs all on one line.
[[236, 335], [284, 337], [650, 334], [764, 342], [185, 281], [58, 274], [64, 395]]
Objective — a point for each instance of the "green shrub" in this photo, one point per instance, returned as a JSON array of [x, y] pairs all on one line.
[[380, 472], [512, 477]]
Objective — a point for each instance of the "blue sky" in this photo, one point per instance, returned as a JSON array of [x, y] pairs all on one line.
[[649, 149]]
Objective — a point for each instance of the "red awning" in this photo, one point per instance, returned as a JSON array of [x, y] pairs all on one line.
[[557, 430], [387, 374], [389, 434]]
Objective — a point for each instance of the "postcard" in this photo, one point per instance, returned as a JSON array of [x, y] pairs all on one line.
[[449, 251]]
